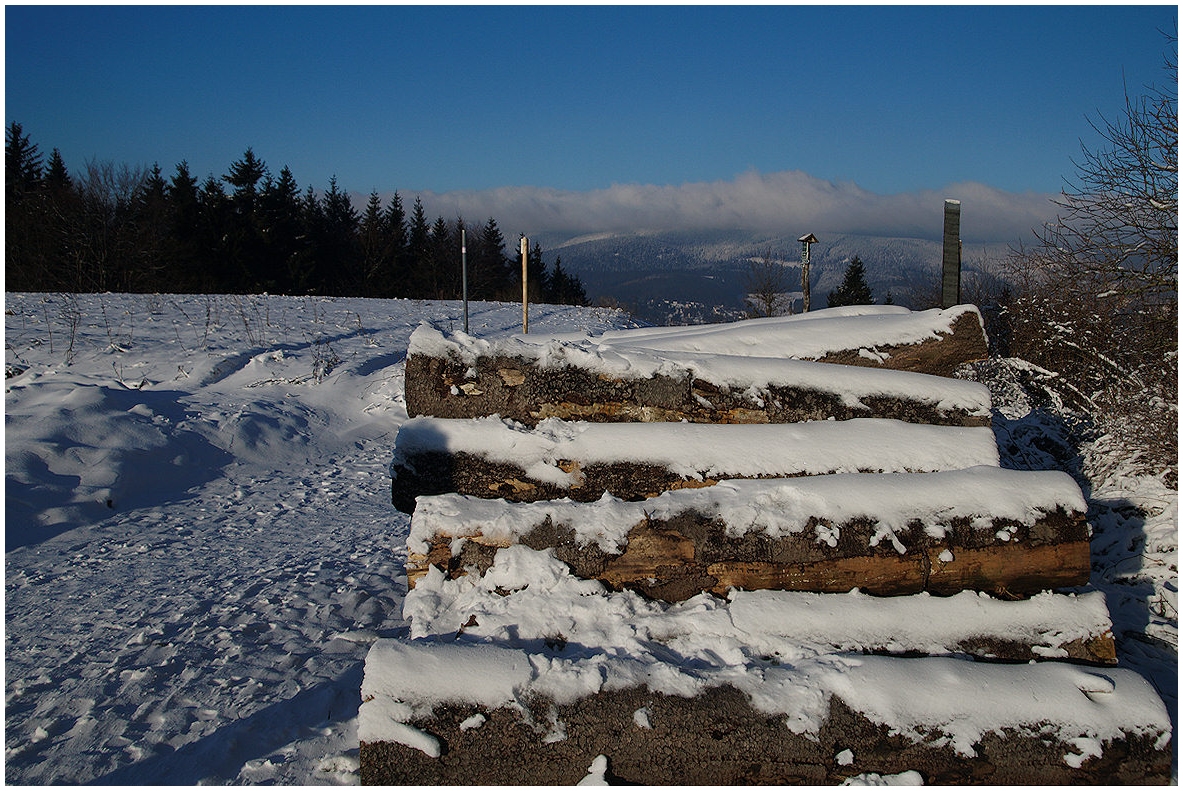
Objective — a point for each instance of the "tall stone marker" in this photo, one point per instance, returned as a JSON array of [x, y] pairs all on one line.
[[951, 256]]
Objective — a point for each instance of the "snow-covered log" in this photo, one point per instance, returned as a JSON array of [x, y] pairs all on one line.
[[490, 457], [726, 377], [449, 712], [1008, 532]]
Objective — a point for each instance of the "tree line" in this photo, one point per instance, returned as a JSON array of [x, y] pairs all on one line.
[[118, 228]]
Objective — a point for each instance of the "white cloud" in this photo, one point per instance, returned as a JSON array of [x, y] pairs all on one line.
[[783, 202]]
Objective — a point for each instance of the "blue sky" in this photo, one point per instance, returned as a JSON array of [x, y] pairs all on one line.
[[457, 100]]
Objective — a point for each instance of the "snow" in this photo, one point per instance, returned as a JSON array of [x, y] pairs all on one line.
[[201, 554], [704, 450], [806, 336], [210, 624]]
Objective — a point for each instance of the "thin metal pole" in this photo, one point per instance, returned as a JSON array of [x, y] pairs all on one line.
[[525, 289], [464, 277]]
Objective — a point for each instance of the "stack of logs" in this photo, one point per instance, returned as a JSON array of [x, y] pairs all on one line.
[[546, 432]]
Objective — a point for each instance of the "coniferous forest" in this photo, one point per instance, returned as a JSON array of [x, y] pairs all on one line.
[[124, 229]]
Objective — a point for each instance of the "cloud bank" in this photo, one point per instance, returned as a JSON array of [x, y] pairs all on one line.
[[783, 202]]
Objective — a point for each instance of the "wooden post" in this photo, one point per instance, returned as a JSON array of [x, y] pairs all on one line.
[[525, 288], [951, 256], [464, 277]]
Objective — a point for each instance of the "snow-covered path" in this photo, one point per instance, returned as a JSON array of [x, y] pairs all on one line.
[[210, 624]]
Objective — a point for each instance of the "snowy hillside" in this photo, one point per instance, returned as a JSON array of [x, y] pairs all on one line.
[[200, 545]]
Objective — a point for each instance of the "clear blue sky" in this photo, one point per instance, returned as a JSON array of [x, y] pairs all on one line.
[[580, 98]]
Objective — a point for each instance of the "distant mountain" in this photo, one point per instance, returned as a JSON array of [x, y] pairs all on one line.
[[712, 268]]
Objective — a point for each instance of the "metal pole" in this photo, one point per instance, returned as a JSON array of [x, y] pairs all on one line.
[[464, 277], [525, 289]]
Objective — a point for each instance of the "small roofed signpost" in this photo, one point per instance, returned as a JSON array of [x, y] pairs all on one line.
[[951, 256], [805, 241]]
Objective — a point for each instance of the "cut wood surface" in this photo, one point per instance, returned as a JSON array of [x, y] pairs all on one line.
[[984, 528], [489, 457], [941, 718], [458, 376]]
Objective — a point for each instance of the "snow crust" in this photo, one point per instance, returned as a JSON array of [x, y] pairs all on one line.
[[705, 450], [774, 507]]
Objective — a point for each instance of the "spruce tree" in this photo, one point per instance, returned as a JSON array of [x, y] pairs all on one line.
[[182, 246], [854, 289], [488, 265], [418, 249], [372, 238], [285, 238], [340, 256], [25, 263], [150, 225], [393, 284], [537, 275], [22, 163]]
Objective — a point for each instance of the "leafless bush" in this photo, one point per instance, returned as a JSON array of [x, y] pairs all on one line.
[[1096, 297]]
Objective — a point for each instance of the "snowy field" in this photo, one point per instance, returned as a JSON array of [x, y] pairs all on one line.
[[200, 545]]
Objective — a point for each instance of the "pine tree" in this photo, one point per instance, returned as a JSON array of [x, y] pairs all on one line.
[[854, 289], [488, 265], [340, 255], [537, 275], [244, 236], [25, 260], [184, 245], [214, 223], [150, 221], [418, 241], [56, 175], [244, 176], [373, 235], [285, 238], [22, 163], [393, 284]]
